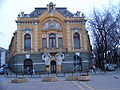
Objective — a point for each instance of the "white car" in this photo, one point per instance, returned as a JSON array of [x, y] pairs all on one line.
[[110, 67]]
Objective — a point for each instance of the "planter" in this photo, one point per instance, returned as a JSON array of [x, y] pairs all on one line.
[[71, 78], [19, 80], [83, 78], [49, 79]]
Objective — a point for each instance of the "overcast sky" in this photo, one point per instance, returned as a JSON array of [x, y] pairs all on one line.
[[9, 9]]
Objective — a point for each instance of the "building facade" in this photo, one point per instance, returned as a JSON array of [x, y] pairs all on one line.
[[50, 39], [2, 56]]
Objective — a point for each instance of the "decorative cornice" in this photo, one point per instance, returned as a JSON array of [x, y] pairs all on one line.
[[27, 21], [75, 20]]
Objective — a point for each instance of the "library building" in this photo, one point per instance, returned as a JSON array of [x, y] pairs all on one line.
[[51, 39]]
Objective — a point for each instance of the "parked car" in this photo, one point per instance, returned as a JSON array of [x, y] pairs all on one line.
[[1, 70]]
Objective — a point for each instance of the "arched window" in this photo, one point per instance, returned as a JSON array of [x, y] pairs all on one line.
[[52, 41], [27, 42], [76, 38]]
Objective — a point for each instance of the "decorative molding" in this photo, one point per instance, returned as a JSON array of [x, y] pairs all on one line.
[[44, 35], [76, 29], [27, 30], [59, 35]]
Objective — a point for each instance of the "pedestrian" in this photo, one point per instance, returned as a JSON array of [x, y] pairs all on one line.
[[94, 68], [91, 68], [33, 71], [6, 72], [28, 70]]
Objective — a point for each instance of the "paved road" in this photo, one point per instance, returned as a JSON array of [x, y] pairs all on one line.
[[107, 81]]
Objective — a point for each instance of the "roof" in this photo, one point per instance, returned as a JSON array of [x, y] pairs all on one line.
[[40, 11]]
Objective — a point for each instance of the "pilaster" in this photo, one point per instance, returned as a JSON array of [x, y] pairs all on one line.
[[36, 37], [19, 42], [68, 36]]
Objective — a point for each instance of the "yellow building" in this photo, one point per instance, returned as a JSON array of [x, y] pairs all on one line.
[[50, 39]]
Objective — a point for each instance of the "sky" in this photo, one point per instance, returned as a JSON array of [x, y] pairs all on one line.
[[9, 10]]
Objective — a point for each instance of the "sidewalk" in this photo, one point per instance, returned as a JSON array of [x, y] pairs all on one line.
[[103, 81]]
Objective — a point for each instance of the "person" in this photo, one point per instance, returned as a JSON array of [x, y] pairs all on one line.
[[33, 71], [6, 72], [91, 68], [28, 70], [94, 68]]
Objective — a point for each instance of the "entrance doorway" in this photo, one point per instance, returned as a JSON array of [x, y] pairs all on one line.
[[28, 65], [53, 66]]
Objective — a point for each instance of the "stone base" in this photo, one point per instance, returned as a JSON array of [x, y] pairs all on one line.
[[19, 80], [49, 79], [83, 78], [71, 78]]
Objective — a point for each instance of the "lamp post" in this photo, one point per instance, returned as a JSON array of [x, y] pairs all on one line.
[[76, 64]]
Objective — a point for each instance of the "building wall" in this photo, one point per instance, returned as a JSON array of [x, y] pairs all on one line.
[[2, 56]]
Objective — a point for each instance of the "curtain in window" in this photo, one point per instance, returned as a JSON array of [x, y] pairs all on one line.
[[27, 42], [76, 38]]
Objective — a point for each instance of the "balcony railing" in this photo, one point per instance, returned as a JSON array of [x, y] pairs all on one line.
[[52, 50]]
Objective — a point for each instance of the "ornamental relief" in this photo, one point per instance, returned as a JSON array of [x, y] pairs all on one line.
[[51, 25], [27, 30], [44, 35], [76, 29]]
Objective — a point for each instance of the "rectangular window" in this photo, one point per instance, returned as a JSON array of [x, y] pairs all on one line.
[[44, 43], [60, 42]]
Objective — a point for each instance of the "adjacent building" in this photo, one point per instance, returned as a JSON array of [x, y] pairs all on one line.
[[2, 56], [50, 39]]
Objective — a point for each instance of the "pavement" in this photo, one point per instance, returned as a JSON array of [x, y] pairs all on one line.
[[103, 81]]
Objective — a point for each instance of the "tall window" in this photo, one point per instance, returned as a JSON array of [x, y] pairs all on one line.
[[27, 42], [76, 38], [44, 43], [52, 41], [60, 42]]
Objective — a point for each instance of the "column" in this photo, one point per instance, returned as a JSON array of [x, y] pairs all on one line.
[[47, 41]]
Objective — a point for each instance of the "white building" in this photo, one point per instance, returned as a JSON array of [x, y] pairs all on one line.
[[2, 56]]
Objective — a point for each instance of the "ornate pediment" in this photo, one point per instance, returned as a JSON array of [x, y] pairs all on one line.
[[51, 25]]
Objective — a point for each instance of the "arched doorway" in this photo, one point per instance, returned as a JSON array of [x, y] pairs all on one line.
[[28, 65], [53, 66]]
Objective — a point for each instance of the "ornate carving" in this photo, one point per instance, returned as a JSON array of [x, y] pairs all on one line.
[[27, 30], [77, 14], [76, 29], [51, 25], [59, 56], [46, 57], [44, 35]]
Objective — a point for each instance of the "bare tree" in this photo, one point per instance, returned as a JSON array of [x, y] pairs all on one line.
[[105, 26]]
